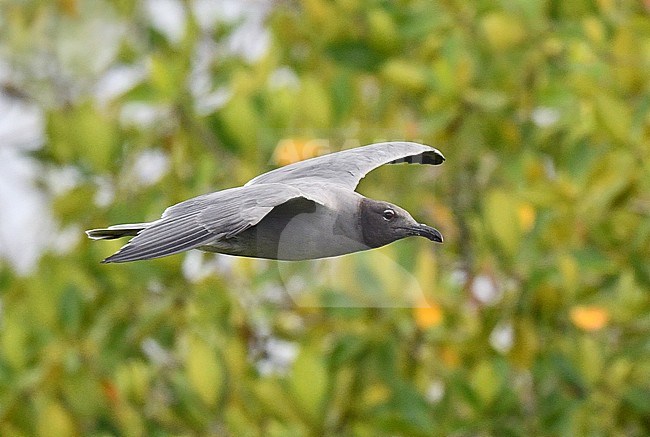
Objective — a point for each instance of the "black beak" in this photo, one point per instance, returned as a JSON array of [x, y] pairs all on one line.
[[423, 230]]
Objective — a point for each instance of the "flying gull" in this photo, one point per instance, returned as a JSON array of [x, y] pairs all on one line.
[[305, 210]]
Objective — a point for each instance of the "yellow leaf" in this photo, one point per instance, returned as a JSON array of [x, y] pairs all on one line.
[[55, 421], [526, 213], [376, 394], [594, 29], [502, 31], [428, 316], [292, 150], [450, 357], [589, 318]]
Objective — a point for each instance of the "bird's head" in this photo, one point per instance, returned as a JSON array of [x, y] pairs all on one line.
[[382, 223]]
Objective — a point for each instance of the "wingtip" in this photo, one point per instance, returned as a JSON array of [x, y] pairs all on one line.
[[435, 155], [430, 157], [99, 234], [108, 259]]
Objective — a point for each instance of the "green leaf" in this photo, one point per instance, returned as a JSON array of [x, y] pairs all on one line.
[[383, 33], [204, 371], [500, 211], [354, 54], [314, 103], [71, 309], [240, 122], [638, 399], [405, 74], [486, 382], [615, 116], [14, 341], [309, 383], [502, 31]]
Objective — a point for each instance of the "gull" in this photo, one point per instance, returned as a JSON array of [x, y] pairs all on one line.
[[305, 210]]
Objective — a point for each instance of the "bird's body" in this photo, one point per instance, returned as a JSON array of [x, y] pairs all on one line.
[[288, 231], [305, 210]]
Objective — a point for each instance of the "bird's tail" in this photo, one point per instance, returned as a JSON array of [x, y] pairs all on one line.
[[117, 231]]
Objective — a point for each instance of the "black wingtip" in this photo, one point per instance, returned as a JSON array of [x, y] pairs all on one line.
[[430, 157]]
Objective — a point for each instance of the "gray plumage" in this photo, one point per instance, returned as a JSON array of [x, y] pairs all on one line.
[[305, 210]]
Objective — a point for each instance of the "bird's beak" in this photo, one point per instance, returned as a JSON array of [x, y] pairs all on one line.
[[423, 230]]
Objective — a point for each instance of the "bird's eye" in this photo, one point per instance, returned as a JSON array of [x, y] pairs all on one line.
[[388, 214]]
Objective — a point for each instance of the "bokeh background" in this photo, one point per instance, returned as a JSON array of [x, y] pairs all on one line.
[[533, 318]]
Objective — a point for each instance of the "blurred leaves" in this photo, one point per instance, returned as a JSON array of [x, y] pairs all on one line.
[[204, 371], [531, 319], [84, 136], [501, 217], [309, 384]]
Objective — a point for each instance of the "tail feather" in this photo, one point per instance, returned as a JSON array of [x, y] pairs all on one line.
[[117, 231]]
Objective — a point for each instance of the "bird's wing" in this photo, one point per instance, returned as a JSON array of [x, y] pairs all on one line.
[[348, 167], [195, 222]]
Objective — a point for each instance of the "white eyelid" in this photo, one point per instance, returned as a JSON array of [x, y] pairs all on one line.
[[388, 214]]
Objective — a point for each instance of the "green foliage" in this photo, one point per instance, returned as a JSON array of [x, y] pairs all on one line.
[[533, 318]]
